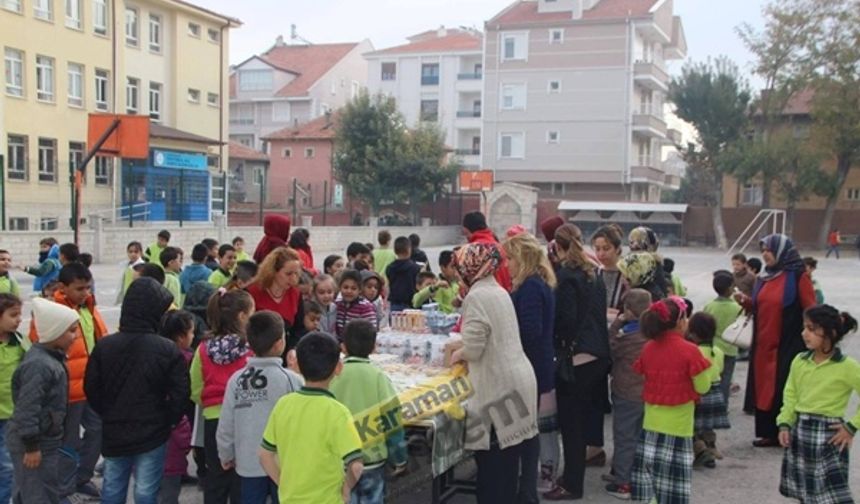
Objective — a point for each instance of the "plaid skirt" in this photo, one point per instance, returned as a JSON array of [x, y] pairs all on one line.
[[712, 411], [662, 468], [813, 470]]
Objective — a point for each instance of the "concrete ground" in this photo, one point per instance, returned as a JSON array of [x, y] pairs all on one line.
[[745, 475]]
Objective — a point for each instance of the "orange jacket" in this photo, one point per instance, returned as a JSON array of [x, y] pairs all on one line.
[[77, 356]]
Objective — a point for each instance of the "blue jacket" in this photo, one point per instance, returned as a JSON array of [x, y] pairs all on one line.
[[534, 303], [192, 274], [41, 281]]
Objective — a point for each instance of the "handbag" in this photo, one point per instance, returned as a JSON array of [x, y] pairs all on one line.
[[740, 332]]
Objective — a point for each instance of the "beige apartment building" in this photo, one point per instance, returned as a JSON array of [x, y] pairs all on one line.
[[574, 94], [64, 59]]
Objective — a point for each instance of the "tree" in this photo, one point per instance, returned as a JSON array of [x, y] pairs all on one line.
[[714, 99], [422, 166]]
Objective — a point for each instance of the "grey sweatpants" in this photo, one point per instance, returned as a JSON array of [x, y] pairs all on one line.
[[36, 485], [627, 419]]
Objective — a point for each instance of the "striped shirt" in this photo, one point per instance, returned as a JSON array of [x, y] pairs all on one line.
[[360, 309]]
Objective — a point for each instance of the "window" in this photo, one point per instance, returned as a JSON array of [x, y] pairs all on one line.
[[102, 90], [76, 155], [554, 86], [48, 223], [257, 174], [12, 5], [556, 36], [513, 97], [100, 17], [76, 84], [552, 137], [354, 89], [242, 113], [430, 74], [19, 224], [102, 167], [44, 78], [194, 30], [16, 157], [212, 99], [281, 111], [389, 71], [47, 160], [194, 95], [14, 72], [132, 95], [255, 80], [514, 46], [155, 33], [429, 110], [43, 9], [512, 145], [854, 194], [287, 153], [751, 195], [73, 14], [131, 26], [155, 101], [309, 153], [214, 35]]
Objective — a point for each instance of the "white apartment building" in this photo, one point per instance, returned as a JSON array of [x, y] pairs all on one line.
[[436, 77]]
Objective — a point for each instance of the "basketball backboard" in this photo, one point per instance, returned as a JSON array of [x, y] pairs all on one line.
[[129, 140], [475, 181]]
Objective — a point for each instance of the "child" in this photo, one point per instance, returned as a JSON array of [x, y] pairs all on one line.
[[171, 261], [333, 265], [675, 374], [444, 291], [672, 279], [754, 265], [226, 262], [153, 252], [49, 289], [151, 270], [313, 314], [178, 327], [324, 295], [196, 302], [306, 286], [11, 352], [351, 306], [383, 255], [401, 276], [252, 393], [196, 272], [744, 279], [211, 245], [241, 254], [357, 251], [711, 411], [418, 255], [811, 265], [371, 289], [134, 251], [812, 429], [425, 289], [214, 363], [725, 311], [362, 386], [48, 268], [325, 473], [244, 275], [34, 433], [625, 343], [8, 285]]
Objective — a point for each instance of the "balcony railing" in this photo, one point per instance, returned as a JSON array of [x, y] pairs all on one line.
[[653, 110], [429, 80], [468, 113], [645, 160], [470, 76], [467, 152], [242, 121]]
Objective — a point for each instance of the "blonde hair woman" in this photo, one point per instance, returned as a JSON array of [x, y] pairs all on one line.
[[533, 281], [276, 288]]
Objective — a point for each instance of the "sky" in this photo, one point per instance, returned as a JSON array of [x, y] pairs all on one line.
[[709, 25]]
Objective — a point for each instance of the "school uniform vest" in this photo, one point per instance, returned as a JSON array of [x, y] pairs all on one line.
[[669, 364], [216, 376]]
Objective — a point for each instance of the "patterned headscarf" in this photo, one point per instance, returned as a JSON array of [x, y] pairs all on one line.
[[643, 239], [476, 261], [787, 260], [639, 268]]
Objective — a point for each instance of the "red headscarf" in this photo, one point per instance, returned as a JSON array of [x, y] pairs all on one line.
[[276, 229]]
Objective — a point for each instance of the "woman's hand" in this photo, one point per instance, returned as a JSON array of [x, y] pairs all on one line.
[[32, 460], [843, 437], [457, 356], [785, 438]]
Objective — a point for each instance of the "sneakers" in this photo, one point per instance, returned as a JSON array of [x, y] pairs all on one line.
[[622, 492], [89, 489]]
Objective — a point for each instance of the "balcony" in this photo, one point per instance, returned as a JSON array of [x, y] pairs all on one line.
[[470, 76], [242, 121], [468, 113], [429, 80], [674, 137], [469, 157], [467, 152], [648, 121], [647, 170], [651, 76]]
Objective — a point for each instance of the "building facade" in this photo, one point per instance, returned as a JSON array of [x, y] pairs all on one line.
[[66, 59], [574, 94], [436, 77], [291, 84]]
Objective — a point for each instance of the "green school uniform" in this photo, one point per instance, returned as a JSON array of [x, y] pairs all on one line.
[[171, 283], [153, 253], [11, 353], [219, 278], [444, 297], [676, 420], [725, 311], [8, 285]]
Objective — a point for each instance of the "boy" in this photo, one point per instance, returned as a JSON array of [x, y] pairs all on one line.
[[239, 245], [418, 255], [8, 285], [153, 252], [49, 264], [357, 252], [39, 391], [626, 343], [744, 279], [245, 273], [79, 455], [401, 276], [425, 283], [383, 255], [211, 253], [725, 311], [196, 272], [672, 278], [134, 251], [351, 305], [313, 314], [811, 264], [444, 292], [171, 261], [226, 262], [251, 394], [363, 387], [291, 449]]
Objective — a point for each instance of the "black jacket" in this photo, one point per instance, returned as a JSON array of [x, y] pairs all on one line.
[[137, 380], [580, 314], [402, 275], [41, 395]]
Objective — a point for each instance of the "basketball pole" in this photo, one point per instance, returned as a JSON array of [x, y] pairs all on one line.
[[79, 176]]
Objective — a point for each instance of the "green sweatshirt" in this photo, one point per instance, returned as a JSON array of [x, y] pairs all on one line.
[[171, 283], [444, 297], [676, 420], [725, 311], [11, 353], [820, 389], [717, 359], [382, 258], [8, 285], [219, 278]]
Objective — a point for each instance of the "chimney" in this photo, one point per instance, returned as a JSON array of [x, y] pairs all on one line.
[[577, 9], [279, 42], [442, 32]]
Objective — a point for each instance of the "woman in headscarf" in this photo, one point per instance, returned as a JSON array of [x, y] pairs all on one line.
[[644, 239], [640, 270], [501, 376], [276, 231], [780, 296]]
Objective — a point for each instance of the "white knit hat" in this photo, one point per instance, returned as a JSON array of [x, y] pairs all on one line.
[[52, 319]]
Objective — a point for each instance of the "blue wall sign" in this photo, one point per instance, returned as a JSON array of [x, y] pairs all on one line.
[[178, 160]]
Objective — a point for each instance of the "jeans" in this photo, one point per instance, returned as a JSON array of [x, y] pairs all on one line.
[[259, 490], [627, 417], [832, 249], [370, 488], [79, 455], [36, 485], [148, 469], [6, 470], [726, 377]]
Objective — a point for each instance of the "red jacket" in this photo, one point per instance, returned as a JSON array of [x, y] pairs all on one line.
[[216, 376], [503, 274], [833, 239], [669, 364]]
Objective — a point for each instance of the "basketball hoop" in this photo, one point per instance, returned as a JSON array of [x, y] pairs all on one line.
[[476, 181]]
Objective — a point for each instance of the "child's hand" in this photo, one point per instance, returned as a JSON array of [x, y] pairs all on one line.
[[32, 460], [228, 465], [785, 438], [442, 284], [292, 361], [843, 437], [346, 493]]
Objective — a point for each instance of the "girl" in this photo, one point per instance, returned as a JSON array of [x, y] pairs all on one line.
[[11, 353], [819, 386], [214, 362], [711, 410], [351, 306], [675, 374], [177, 326], [333, 265], [606, 243], [324, 295], [371, 289], [306, 286]]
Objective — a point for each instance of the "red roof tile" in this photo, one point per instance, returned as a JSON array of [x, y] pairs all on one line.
[[800, 103], [456, 41], [607, 9], [310, 62], [321, 128], [239, 151], [527, 12]]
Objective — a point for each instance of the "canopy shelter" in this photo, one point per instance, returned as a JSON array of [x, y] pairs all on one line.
[[667, 220]]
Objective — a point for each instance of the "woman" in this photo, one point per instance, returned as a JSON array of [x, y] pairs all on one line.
[[606, 243], [582, 343], [779, 298], [533, 280], [276, 231], [641, 269], [500, 375], [276, 289], [299, 243], [644, 240]]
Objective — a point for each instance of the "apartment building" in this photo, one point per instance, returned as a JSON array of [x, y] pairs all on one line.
[[436, 77], [291, 84], [574, 93], [64, 59]]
